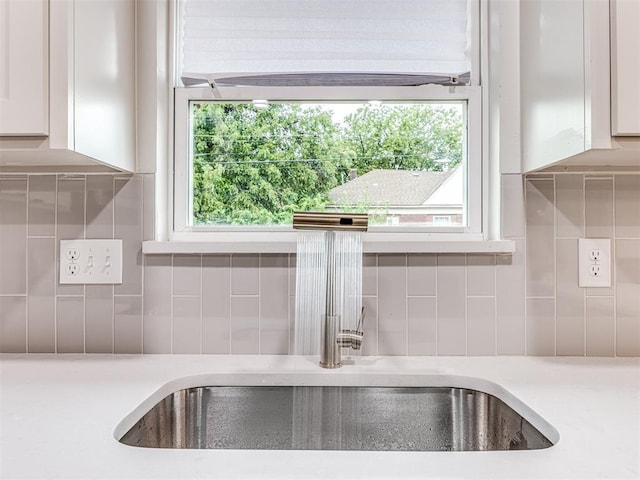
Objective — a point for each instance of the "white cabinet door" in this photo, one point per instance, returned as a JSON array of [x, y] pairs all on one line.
[[625, 67], [24, 71]]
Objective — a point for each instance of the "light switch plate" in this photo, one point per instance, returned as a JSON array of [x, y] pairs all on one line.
[[594, 262], [90, 261]]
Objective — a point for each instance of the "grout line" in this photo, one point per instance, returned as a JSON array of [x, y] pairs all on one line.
[[41, 236], [200, 303], [230, 257], [524, 265], [84, 286], [466, 305], [200, 306], [113, 287], [437, 257], [495, 305], [26, 269], [406, 304], [555, 267], [171, 322], [614, 273], [584, 235], [259, 304], [14, 295], [56, 267]]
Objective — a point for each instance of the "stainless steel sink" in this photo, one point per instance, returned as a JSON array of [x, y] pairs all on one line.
[[334, 418]]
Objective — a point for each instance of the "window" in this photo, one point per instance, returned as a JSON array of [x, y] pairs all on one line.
[[334, 125]]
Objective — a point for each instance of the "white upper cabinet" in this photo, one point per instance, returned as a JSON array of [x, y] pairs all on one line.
[[625, 67], [89, 103], [24, 67], [566, 90]]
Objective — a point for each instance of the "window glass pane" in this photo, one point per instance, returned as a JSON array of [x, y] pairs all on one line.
[[257, 163]]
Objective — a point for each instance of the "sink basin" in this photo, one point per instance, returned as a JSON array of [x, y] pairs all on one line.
[[325, 417]]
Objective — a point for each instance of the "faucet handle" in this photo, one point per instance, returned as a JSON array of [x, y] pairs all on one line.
[[350, 338], [353, 338]]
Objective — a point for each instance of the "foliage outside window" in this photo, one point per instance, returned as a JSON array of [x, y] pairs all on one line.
[[258, 165]]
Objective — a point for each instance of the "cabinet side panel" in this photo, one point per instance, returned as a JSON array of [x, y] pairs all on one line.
[[625, 67], [24, 40], [552, 81], [104, 78]]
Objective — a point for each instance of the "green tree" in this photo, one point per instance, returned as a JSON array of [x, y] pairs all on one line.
[[258, 166], [408, 137]]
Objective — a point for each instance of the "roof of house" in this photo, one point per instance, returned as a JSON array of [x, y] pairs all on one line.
[[389, 188]]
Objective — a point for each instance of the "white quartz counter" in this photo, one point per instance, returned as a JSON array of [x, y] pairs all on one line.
[[59, 415]]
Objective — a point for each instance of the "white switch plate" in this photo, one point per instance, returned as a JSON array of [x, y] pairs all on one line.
[[91, 261], [594, 262]]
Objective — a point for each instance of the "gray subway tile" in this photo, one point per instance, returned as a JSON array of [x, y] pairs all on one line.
[[149, 203], [370, 274], [598, 193], [42, 205], [187, 274], [370, 339], [422, 320], [481, 326], [510, 303], [627, 297], [481, 275], [128, 227], [600, 313], [245, 274], [99, 221], [13, 235], [99, 319], [127, 324], [392, 304], [157, 304], [70, 324], [274, 304], [187, 326], [216, 303], [41, 294], [421, 275], [569, 206], [245, 324], [540, 237], [540, 327], [570, 320], [451, 304], [512, 208], [13, 324], [627, 206]]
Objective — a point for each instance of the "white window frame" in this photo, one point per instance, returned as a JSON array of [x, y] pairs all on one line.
[[379, 238]]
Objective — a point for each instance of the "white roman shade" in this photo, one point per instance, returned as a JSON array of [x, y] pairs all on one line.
[[325, 41]]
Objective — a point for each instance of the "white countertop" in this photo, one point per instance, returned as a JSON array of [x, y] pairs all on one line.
[[59, 414]]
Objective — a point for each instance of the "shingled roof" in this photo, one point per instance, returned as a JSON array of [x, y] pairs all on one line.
[[389, 188]]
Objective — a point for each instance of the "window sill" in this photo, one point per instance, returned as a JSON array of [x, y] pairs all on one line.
[[286, 243]]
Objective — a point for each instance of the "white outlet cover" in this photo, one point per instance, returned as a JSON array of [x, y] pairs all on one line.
[[586, 277], [98, 262]]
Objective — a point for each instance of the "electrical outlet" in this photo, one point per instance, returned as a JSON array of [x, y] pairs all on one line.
[[91, 261], [72, 253], [594, 262]]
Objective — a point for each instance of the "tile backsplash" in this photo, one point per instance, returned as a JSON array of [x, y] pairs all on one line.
[[418, 304]]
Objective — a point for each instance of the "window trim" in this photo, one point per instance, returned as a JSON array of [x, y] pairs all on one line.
[[481, 241], [181, 175]]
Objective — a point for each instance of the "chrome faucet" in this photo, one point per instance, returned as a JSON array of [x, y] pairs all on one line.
[[332, 337]]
